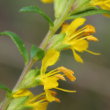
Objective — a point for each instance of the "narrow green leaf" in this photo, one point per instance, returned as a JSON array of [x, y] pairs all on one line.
[[35, 9], [37, 53], [19, 44], [89, 12], [3, 87]]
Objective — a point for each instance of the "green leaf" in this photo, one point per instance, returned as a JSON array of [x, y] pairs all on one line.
[[19, 44], [35, 9], [37, 53], [89, 12], [5, 88]]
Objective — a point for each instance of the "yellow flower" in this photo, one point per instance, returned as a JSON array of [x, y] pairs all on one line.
[[104, 4], [47, 1], [50, 80], [37, 102], [77, 39]]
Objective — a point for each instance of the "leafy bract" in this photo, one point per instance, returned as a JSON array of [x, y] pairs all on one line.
[[31, 79], [37, 53], [17, 103]]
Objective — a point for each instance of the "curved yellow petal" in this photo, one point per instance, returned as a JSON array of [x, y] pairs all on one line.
[[64, 27], [49, 96], [41, 106], [104, 4], [50, 59], [50, 82], [65, 90], [77, 57], [80, 45], [74, 25], [94, 53], [21, 93]]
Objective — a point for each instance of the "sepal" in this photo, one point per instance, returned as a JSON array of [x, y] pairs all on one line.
[[31, 79]]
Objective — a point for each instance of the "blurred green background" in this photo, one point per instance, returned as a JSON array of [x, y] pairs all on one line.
[[93, 77]]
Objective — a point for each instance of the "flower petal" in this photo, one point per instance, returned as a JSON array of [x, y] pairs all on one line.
[[65, 90], [49, 96], [80, 45], [77, 57], [50, 82], [94, 53], [50, 59], [21, 93], [74, 25]]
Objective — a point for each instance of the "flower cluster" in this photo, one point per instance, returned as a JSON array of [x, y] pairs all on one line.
[[49, 81], [73, 38], [32, 102]]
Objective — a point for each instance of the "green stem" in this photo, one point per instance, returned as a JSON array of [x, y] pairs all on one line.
[[25, 71]]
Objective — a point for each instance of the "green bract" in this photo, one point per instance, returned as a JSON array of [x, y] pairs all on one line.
[[37, 53], [17, 103], [31, 79], [56, 42], [59, 7], [62, 6]]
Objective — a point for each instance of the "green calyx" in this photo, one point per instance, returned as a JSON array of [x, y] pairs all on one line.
[[57, 42], [31, 79], [60, 6]]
